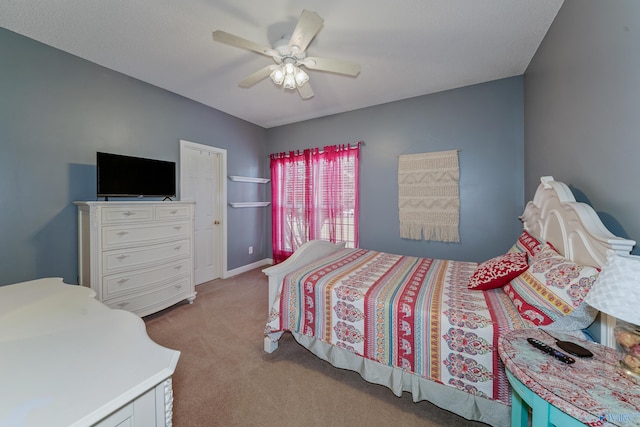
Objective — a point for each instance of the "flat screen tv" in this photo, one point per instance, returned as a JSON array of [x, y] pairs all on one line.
[[127, 176]]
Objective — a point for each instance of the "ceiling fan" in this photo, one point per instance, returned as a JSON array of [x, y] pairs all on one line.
[[289, 54]]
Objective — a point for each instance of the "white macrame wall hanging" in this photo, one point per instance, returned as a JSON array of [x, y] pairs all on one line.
[[429, 196]]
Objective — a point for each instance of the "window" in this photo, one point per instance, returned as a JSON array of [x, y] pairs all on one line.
[[314, 196]]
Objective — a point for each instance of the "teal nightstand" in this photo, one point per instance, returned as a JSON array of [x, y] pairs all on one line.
[[587, 392]]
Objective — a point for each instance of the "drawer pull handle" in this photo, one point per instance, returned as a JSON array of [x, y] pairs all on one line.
[[177, 248], [128, 213], [121, 257], [121, 281], [178, 267], [173, 212], [123, 233], [178, 286], [123, 304], [178, 227]]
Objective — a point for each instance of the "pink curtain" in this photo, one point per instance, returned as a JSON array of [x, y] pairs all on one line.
[[314, 195]]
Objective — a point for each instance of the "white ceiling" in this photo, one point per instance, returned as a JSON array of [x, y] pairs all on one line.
[[406, 48]]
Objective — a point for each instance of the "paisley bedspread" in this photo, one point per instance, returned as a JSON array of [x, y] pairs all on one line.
[[412, 313]]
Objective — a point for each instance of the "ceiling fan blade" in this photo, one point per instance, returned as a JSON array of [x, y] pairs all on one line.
[[331, 65], [257, 76], [230, 39], [306, 29], [305, 91]]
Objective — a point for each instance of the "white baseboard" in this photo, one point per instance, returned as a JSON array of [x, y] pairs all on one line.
[[248, 267]]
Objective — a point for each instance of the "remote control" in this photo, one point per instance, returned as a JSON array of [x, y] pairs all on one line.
[[570, 347], [552, 351]]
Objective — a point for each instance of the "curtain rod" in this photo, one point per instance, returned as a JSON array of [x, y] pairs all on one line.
[[358, 145]]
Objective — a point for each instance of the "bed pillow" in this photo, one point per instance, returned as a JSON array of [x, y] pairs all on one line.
[[527, 243], [498, 271], [551, 288]]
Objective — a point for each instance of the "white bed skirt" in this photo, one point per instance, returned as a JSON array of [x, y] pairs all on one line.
[[464, 404]]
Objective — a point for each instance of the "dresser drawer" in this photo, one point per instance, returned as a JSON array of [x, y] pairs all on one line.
[[155, 299], [120, 214], [138, 254], [130, 282], [169, 212], [123, 417], [120, 260], [118, 236]]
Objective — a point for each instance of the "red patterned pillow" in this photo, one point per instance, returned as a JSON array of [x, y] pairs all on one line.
[[527, 243], [498, 271]]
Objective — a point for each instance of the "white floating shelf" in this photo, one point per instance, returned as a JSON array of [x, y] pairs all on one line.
[[249, 204], [248, 179]]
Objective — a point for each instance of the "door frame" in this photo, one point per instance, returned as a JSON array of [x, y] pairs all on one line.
[[222, 204]]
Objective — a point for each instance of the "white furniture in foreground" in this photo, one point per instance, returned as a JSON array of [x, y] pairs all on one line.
[[69, 360], [137, 256]]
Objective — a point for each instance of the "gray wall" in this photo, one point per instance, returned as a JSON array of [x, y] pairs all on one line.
[[582, 109], [56, 111], [484, 121]]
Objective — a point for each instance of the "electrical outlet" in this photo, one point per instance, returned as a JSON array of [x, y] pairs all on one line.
[[250, 250]]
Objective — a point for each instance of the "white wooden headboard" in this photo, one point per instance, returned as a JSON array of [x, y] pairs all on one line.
[[576, 231]]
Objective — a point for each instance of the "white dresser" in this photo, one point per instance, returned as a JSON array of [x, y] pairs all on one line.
[[70, 361], [137, 256]]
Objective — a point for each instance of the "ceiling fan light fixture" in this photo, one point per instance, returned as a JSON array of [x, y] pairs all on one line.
[[289, 68], [301, 77], [289, 76], [289, 82], [277, 75]]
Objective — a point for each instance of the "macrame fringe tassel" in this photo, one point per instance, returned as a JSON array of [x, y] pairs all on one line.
[[440, 233]]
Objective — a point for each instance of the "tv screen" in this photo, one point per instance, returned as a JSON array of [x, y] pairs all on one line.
[[126, 176]]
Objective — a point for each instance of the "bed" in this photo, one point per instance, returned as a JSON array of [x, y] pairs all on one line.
[[430, 327]]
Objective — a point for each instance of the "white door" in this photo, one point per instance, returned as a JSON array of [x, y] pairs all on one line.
[[202, 179]]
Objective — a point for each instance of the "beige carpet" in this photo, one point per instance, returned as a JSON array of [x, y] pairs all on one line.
[[224, 378]]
